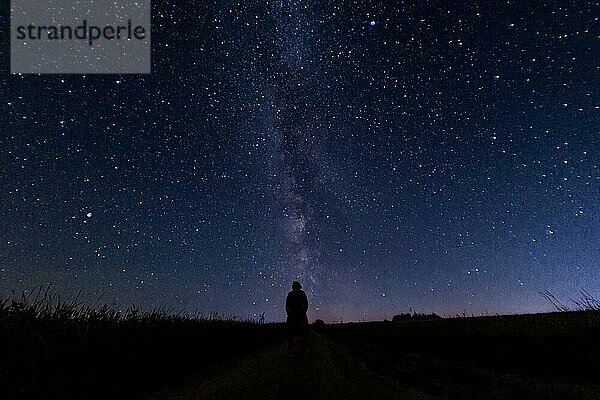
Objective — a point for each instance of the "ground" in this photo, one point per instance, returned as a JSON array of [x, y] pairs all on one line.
[[327, 372], [545, 356]]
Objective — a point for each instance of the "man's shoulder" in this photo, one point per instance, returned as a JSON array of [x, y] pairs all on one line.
[[297, 293]]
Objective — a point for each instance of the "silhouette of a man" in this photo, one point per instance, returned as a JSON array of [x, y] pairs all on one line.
[[296, 305]]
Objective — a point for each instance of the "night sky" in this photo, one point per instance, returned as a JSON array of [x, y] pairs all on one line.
[[390, 155]]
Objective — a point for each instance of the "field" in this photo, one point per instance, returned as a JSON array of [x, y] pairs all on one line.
[[55, 350], [549, 356]]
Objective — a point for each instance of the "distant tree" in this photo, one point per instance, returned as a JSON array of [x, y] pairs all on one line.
[[414, 317], [401, 317], [319, 324]]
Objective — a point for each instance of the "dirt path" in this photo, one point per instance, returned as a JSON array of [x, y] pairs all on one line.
[[328, 372]]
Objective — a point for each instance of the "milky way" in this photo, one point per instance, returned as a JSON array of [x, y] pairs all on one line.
[[298, 149]]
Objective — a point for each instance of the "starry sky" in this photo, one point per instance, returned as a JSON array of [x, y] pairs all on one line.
[[391, 155]]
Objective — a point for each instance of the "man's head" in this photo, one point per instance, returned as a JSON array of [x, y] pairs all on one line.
[[296, 285]]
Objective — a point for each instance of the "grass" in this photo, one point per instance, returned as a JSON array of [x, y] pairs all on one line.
[[55, 349], [585, 302]]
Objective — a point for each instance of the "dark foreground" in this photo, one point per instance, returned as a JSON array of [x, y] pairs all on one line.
[[545, 356], [71, 352], [551, 356], [327, 372], [50, 349]]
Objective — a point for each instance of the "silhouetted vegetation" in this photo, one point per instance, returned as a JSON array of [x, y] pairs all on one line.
[[550, 356], [585, 302], [414, 317], [318, 325], [52, 349]]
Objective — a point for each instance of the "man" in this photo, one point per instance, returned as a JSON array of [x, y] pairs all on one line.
[[296, 305]]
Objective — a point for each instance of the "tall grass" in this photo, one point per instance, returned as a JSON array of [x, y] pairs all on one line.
[[585, 302], [46, 305], [52, 348]]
